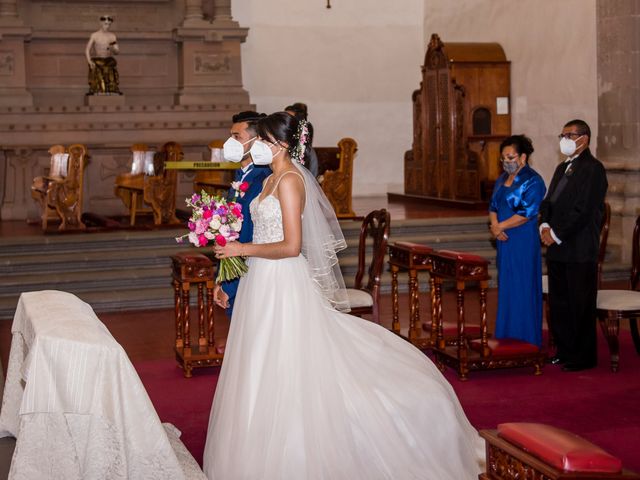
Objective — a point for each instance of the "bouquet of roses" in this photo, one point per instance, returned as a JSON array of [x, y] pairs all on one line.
[[216, 219]]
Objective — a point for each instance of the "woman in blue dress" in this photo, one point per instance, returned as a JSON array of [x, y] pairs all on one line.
[[513, 214]]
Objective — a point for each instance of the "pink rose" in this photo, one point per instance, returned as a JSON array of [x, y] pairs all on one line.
[[207, 214], [202, 240], [244, 186], [220, 240]]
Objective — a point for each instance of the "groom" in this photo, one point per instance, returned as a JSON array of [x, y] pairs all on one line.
[[250, 177]]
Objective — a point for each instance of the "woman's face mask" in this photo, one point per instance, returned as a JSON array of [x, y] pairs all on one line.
[[511, 164], [261, 153], [233, 150]]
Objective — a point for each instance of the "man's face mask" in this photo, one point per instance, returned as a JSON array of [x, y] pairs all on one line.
[[568, 146], [233, 150], [261, 153]]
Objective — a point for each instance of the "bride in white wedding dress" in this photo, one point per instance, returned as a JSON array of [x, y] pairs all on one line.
[[309, 392]]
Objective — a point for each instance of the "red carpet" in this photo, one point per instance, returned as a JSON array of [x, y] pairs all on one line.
[[597, 404]]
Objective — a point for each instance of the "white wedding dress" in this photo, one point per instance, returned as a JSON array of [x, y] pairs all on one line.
[[307, 392]]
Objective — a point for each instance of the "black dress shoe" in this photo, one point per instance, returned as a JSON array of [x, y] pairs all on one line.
[[577, 367], [556, 360]]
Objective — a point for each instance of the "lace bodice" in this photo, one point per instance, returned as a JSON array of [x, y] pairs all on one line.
[[267, 220]]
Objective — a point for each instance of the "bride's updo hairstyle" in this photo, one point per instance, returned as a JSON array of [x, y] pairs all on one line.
[[285, 128]]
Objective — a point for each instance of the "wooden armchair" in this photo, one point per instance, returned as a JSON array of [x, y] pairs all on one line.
[[616, 305], [335, 174], [480, 353], [152, 190], [129, 186], [365, 297], [60, 193], [214, 182]]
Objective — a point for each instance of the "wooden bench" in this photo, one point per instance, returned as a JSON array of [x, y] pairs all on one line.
[[537, 451]]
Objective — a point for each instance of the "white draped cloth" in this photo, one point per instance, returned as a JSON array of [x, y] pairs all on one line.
[[75, 403]]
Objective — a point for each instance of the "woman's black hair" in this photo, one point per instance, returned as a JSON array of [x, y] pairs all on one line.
[[299, 109], [281, 127], [520, 143]]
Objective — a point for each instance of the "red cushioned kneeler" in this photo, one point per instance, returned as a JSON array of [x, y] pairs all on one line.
[[505, 346], [559, 448]]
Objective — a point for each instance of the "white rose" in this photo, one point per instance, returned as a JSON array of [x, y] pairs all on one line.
[[193, 238], [236, 226], [214, 224]]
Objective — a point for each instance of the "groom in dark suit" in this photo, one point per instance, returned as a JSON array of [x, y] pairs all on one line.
[[250, 176], [570, 217]]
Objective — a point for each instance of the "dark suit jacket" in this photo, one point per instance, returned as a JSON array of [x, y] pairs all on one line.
[[255, 178], [576, 214]]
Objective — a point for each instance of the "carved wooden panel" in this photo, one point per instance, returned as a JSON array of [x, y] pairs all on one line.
[[457, 80]]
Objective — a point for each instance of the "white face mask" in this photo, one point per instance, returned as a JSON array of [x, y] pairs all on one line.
[[567, 146], [233, 150], [261, 153]]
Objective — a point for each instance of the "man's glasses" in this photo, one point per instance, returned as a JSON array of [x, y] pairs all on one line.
[[570, 135], [106, 19]]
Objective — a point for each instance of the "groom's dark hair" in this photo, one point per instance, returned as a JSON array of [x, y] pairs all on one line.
[[250, 117]]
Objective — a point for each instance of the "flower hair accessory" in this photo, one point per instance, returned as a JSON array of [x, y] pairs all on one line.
[[302, 135]]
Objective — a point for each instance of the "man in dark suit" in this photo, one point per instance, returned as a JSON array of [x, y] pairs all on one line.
[[243, 134], [570, 216]]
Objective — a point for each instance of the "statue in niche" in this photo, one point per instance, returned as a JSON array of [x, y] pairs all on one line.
[[103, 71]]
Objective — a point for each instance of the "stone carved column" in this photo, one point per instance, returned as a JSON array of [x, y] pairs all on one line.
[[618, 52], [222, 11], [9, 13], [193, 14]]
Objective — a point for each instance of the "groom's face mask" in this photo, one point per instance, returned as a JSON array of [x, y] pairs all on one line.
[[233, 150]]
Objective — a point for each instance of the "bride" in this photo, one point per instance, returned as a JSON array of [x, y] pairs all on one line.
[[309, 392]]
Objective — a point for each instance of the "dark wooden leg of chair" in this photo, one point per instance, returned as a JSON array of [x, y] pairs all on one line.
[[395, 308], [202, 339], [210, 319], [610, 324], [178, 313], [414, 305], [633, 324]]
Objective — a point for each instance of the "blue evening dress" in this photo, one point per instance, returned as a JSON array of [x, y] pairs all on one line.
[[519, 258]]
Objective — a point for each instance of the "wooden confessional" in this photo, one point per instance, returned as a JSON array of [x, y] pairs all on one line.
[[461, 113]]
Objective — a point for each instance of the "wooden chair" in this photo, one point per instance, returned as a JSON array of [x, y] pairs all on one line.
[[60, 193], [153, 190], [365, 297], [129, 186], [214, 182], [481, 353], [602, 251], [160, 188], [335, 175], [538, 451], [616, 305]]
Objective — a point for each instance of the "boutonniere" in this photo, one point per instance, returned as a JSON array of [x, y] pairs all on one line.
[[240, 188]]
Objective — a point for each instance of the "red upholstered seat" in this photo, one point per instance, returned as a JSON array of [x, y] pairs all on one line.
[[463, 257], [559, 448], [416, 247], [450, 329], [505, 346]]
